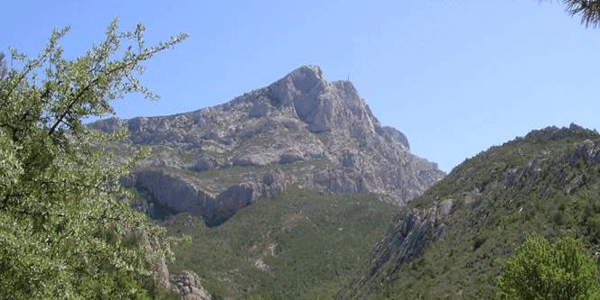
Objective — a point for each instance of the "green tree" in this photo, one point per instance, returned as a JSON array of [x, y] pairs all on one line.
[[3, 68], [541, 270], [67, 230], [589, 10]]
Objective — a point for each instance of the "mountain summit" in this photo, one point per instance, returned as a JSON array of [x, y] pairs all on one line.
[[301, 130]]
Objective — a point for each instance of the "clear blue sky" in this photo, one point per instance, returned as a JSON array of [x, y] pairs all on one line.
[[455, 76]]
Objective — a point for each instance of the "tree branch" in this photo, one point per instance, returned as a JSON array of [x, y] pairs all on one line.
[[79, 95]]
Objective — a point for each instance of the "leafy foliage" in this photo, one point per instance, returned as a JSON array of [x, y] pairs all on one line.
[[541, 270], [589, 11], [66, 228]]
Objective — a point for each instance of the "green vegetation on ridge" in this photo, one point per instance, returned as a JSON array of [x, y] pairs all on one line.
[[546, 183]]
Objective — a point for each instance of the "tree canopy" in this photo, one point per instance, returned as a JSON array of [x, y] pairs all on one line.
[[541, 270], [67, 230]]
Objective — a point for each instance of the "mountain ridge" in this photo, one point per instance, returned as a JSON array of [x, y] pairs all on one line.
[[451, 242], [301, 130]]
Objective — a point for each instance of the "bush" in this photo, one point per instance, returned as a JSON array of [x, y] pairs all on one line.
[[541, 270]]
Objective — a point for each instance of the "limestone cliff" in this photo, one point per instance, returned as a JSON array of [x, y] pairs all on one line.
[[301, 130]]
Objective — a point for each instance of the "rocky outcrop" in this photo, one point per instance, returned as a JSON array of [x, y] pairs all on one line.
[[188, 285], [177, 194], [169, 191], [407, 238], [302, 130], [185, 283]]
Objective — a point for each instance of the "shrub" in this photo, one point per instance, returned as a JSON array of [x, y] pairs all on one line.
[[541, 270]]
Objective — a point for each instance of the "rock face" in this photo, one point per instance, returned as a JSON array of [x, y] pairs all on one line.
[[300, 130], [188, 285], [408, 236]]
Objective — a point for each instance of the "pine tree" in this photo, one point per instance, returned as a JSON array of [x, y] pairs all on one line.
[[589, 10]]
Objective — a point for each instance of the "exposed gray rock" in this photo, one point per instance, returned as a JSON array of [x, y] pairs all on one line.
[[260, 110], [179, 195], [188, 285], [318, 134], [393, 135], [407, 242], [347, 159], [258, 159], [160, 272], [203, 164], [290, 157], [273, 184], [410, 233], [137, 124]]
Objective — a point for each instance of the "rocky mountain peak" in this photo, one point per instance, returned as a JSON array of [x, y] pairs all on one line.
[[323, 105], [299, 82], [301, 130]]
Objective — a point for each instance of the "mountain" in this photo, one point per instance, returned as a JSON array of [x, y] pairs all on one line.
[[299, 131], [451, 242]]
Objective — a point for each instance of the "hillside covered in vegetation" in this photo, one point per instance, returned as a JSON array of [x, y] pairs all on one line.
[[302, 245], [452, 242]]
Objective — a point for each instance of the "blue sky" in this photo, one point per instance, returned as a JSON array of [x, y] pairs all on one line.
[[455, 76]]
